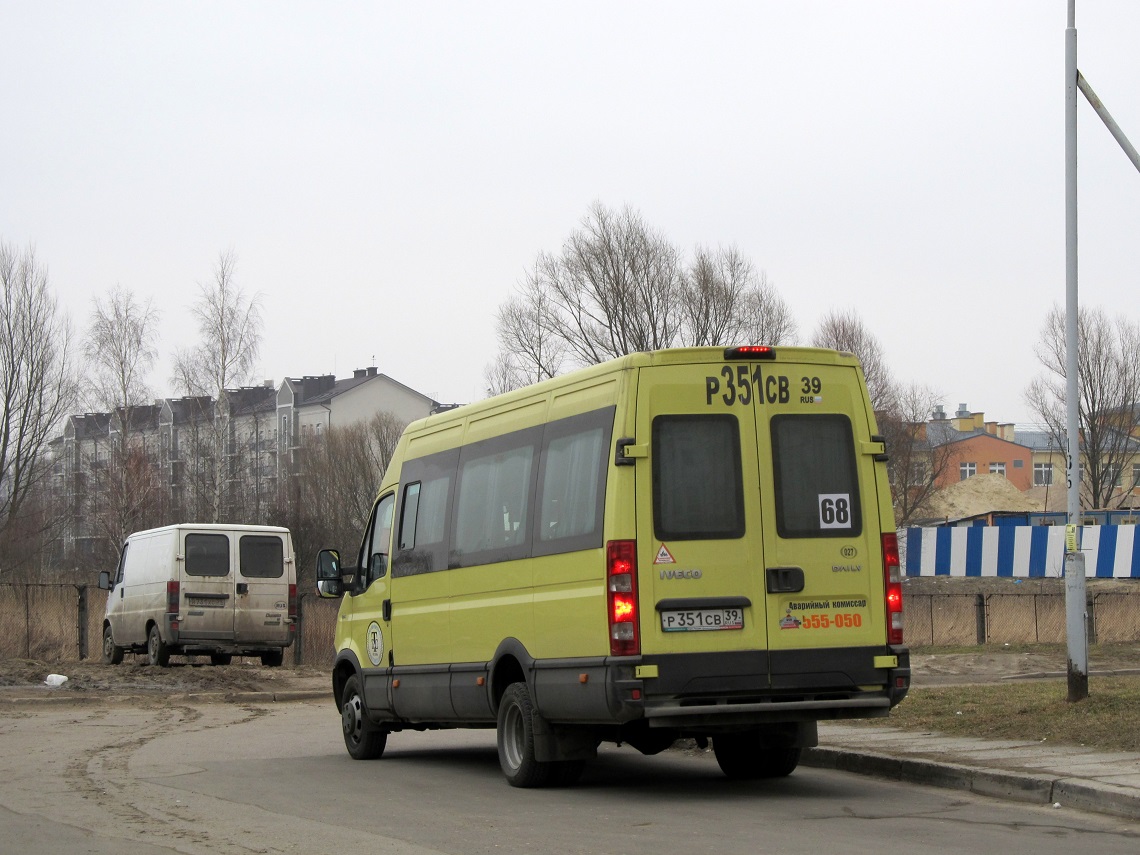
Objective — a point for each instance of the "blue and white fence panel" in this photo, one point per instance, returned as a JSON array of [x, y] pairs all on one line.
[[1023, 551]]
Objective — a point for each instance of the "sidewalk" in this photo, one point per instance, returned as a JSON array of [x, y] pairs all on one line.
[[1027, 771]]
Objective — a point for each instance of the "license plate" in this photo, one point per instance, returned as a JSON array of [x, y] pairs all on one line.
[[698, 620]]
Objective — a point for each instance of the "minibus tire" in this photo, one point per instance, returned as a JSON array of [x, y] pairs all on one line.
[[157, 653], [363, 739], [112, 653], [743, 757], [515, 732]]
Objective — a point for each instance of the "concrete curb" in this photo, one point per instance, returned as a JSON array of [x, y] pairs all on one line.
[[1081, 794]]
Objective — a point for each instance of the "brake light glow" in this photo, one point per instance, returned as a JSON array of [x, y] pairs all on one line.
[[621, 587], [172, 591], [292, 602], [750, 351], [892, 576]]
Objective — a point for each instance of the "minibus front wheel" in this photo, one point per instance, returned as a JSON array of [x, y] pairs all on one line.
[[363, 739]]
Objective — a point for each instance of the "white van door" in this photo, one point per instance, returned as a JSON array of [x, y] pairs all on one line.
[[208, 589], [261, 595]]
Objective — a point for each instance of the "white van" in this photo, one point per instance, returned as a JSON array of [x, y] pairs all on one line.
[[221, 590]]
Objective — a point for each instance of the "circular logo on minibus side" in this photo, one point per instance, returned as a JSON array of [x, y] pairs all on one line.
[[375, 644]]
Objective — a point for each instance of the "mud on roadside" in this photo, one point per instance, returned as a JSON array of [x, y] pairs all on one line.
[[92, 679]]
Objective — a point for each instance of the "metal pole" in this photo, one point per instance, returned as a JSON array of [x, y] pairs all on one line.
[[1109, 122], [1078, 669]]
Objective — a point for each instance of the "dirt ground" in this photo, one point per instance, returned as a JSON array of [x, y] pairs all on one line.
[[92, 680]]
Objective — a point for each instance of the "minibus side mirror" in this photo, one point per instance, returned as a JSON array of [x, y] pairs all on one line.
[[105, 580], [329, 581]]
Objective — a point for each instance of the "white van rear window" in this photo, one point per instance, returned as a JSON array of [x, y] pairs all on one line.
[[207, 555], [261, 556]]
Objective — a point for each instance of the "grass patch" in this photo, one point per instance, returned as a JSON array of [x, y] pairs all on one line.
[[1108, 719]]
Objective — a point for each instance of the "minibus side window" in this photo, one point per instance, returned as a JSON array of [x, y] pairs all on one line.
[[817, 490], [424, 506], [492, 515], [207, 555], [408, 517], [374, 556], [573, 490], [698, 491], [261, 556]]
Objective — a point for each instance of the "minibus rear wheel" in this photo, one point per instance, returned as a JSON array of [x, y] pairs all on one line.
[[745, 757], [515, 732]]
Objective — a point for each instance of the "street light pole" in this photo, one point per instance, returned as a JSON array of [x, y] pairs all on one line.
[[1075, 623]]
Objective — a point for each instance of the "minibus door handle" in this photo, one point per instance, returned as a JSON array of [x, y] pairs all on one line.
[[785, 580]]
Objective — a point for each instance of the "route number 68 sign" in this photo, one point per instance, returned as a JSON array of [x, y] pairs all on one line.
[[834, 510]]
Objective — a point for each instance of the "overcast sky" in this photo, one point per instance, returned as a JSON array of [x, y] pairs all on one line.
[[385, 173]]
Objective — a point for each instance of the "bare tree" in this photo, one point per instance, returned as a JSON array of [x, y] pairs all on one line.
[[341, 471], [119, 351], [614, 287], [37, 379], [230, 327], [917, 460], [619, 286], [531, 344], [845, 331], [1108, 391], [725, 301]]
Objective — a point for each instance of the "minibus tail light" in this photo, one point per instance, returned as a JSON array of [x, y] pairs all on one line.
[[293, 602], [892, 577], [172, 598], [621, 588]]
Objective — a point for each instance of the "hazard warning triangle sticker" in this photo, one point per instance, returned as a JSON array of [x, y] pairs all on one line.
[[664, 556]]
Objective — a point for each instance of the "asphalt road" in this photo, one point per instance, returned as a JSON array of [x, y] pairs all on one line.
[[269, 778]]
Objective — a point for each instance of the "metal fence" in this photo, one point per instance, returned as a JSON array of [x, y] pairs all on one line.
[[63, 623]]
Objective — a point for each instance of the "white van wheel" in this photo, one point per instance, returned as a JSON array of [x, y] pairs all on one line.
[[273, 658], [363, 739], [515, 733], [112, 653], [157, 653]]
